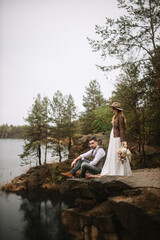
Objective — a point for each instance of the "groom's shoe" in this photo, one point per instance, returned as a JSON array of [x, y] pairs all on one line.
[[67, 174]]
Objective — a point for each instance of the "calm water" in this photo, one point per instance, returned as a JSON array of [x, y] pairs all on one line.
[[36, 216], [10, 161], [32, 216]]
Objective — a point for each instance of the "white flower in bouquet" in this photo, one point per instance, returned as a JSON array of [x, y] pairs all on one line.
[[128, 152], [123, 150]]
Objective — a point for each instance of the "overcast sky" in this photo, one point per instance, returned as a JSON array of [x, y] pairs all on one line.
[[44, 48]]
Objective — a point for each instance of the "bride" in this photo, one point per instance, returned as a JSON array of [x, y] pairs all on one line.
[[112, 165]]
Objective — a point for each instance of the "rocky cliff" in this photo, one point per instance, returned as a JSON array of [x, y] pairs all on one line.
[[110, 207], [115, 208], [106, 208]]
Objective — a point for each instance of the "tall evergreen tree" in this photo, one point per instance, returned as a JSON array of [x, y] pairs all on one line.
[[46, 119], [92, 99], [57, 106], [70, 114], [102, 122], [133, 37], [35, 131], [137, 94]]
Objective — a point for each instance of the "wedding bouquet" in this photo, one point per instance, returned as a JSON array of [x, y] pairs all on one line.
[[123, 153]]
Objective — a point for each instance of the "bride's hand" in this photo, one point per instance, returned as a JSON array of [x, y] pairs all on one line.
[[49, 138], [124, 144]]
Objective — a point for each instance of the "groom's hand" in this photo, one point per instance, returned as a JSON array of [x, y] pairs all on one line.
[[73, 163]]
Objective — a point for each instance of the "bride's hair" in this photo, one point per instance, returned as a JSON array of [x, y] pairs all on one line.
[[119, 113]]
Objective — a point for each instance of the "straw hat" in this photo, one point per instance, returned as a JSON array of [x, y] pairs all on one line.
[[117, 106]]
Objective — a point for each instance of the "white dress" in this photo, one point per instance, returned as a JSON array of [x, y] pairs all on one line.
[[112, 165]]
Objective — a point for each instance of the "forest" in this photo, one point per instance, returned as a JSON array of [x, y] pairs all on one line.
[[133, 40], [10, 131]]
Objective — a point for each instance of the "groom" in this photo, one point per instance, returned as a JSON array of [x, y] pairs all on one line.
[[94, 167]]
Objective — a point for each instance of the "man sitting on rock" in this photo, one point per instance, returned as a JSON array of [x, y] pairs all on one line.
[[94, 167]]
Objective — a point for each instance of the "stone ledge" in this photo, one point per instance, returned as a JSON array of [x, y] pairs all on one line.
[[108, 186], [115, 207]]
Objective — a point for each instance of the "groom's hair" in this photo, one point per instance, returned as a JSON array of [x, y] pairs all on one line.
[[94, 139]]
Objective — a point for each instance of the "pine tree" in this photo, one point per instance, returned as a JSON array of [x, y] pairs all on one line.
[[57, 106], [133, 37], [35, 131], [92, 99], [46, 119], [70, 114], [102, 122], [138, 94]]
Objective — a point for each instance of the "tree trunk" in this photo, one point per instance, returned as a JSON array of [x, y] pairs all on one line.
[[39, 154], [155, 59], [139, 149], [59, 151], [69, 145], [143, 139], [59, 145], [45, 158], [142, 156]]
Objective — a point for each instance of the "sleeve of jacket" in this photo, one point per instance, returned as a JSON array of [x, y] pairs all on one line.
[[122, 128]]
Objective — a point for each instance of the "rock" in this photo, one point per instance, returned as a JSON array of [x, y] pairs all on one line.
[[13, 187], [109, 207], [136, 220], [124, 235], [75, 222], [85, 204], [111, 236], [94, 232], [95, 188], [108, 186], [49, 186], [107, 223], [81, 143], [95, 224], [33, 179], [114, 207]]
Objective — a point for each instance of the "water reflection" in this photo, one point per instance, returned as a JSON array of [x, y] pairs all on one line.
[[35, 216]]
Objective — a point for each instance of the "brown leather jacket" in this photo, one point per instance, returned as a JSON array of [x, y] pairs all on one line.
[[119, 127]]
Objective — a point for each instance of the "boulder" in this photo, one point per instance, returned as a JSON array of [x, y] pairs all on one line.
[[115, 207], [81, 143]]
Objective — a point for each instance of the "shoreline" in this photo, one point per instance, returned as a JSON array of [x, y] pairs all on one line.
[[110, 207]]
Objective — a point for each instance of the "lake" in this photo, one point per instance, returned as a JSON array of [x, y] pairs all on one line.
[[10, 161], [31, 216]]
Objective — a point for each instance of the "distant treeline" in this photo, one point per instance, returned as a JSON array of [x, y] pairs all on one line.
[[11, 131]]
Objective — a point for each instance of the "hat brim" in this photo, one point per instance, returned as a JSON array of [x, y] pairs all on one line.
[[120, 109]]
